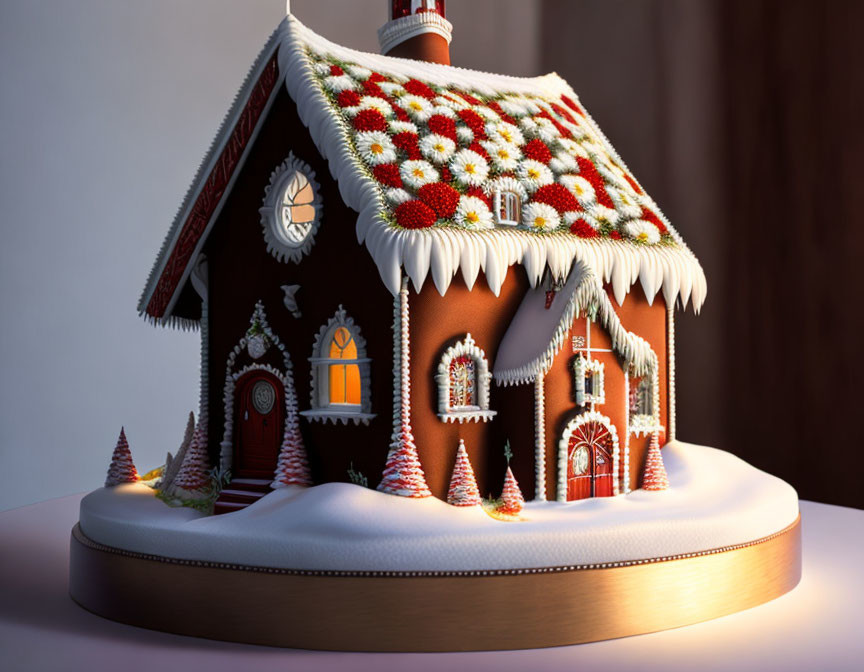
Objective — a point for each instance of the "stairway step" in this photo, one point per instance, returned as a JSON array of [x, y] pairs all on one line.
[[227, 507], [239, 496]]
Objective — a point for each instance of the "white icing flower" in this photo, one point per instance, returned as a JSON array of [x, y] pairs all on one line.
[[375, 103], [534, 174], [513, 107], [397, 196], [532, 106], [563, 163], [391, 88], [339, 83], [469, 168], [504, 157], [487, 113], [444, 111], [540, 217], [580, 188], [402, 127], [604, 215], [546, 130], [375, 147], [473, 213], [358, 71], [625, 202], [529, 126], [322, 68], [437, 148], [418, 108], [503, 184], [454, 103], [641, 231], [572, 215], [505, 132], [417, 173], [465, 134]]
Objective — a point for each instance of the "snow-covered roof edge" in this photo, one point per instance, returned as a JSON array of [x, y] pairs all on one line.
[[585, 292], [204, 171], [443, 252]]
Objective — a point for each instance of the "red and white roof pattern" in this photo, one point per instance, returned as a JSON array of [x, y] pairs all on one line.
[[420, 149]]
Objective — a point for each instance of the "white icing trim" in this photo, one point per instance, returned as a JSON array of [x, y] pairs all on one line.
[[540, 439], [670, 372], [580, 367], [444, 251], [287, 378], [271, 216], [321, 409], [482, 376], [399, 30], [563, 445]]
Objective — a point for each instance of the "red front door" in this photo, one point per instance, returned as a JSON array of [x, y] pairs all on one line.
[[257, 425], [589, 461]]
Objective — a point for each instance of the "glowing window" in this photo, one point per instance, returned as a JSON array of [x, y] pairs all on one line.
[[344, 378]]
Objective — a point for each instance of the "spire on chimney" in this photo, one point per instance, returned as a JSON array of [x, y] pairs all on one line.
[[416, 29]]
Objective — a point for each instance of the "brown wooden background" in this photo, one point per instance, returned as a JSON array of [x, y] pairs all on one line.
[[745, 120]]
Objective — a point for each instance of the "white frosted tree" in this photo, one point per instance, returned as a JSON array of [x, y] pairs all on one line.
[[122, 469], [173, 463], [654, 477], [194, 472], [512, 500], [293, 465]]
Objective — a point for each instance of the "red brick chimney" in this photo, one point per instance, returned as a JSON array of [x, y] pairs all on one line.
[[417, 29]]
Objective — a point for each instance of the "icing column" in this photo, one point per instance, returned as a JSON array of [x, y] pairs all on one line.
[[416, 29]]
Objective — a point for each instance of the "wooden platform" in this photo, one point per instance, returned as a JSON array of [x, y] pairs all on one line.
[[430, 611]]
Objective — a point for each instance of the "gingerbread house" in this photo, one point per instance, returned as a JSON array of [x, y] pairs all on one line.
[[517, 285]]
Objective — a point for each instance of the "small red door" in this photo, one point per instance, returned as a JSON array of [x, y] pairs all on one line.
[[589, 461], [257, 425]]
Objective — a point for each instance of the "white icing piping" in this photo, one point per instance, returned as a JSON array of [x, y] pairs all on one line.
[[445, 251], [670, 368], [540, 439]]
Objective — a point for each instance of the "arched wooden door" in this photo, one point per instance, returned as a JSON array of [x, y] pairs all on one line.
[[590, 455], [258, 421]]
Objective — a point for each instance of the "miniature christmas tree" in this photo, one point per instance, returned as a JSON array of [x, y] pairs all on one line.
[[122, 469], [655, 477], [293, 467], [463, 486], [173, 463], [403, 474], [193, 474], [512, 500]]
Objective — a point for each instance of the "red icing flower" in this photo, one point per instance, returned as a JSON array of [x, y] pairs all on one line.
[[475, 122], [468, 98], [370, 120], [558, 196], [561, 112], [501, 113], [589, 172], [348, 98], [572, 105], [477, 192], [615, 234], [376, 77], [477, 147], [651, 216], [446, 175], [336, 71], [583, 229], [536, 149], [415, 215], [388, 175], [370, 88], [442, 125], [401, 114], [442, 198], [418, 88], [407, 142], [633, 183]]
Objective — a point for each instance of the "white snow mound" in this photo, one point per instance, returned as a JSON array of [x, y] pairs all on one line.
[[715, 500]]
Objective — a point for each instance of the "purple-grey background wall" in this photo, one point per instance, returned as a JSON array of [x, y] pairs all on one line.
[[741, 118]]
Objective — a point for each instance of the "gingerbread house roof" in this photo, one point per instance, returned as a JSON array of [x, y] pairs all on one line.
[[422, 152]]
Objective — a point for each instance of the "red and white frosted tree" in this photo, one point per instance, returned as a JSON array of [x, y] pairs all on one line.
[[403, 474], [654, 477], [122, 469], [194, 472], [463, 486], [293, 466], [512, 500]]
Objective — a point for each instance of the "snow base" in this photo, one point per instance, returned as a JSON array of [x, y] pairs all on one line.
[[715, 500]]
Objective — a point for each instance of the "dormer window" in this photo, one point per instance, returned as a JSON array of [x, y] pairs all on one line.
[[508, 208]]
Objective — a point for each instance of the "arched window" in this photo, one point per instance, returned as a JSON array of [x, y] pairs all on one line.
[[643, 416], [463, 383], [508, 208], [589, 381], [341, 383]]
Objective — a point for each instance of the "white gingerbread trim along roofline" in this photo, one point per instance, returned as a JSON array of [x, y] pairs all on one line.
[[445, 251]]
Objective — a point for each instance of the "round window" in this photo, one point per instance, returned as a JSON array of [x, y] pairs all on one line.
[[579, 461], [263, 397], [291, 211]]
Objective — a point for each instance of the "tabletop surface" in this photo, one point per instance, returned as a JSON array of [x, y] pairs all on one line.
[[816, 626]]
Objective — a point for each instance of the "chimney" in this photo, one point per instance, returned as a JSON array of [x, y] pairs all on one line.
[[416, 29]]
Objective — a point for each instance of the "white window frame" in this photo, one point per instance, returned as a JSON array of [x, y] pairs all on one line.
[[501, 195], [643, 424], [321, 409], [482, 379], [581, 366]]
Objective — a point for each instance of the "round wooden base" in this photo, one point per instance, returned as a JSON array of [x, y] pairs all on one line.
[[430, 611]]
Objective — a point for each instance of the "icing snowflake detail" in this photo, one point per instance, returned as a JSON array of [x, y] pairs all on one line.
[[469, 168], [473, 213], [534, 174], [375, 147], [641, 231], [436, 148], [540, 217], [417, 173]]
